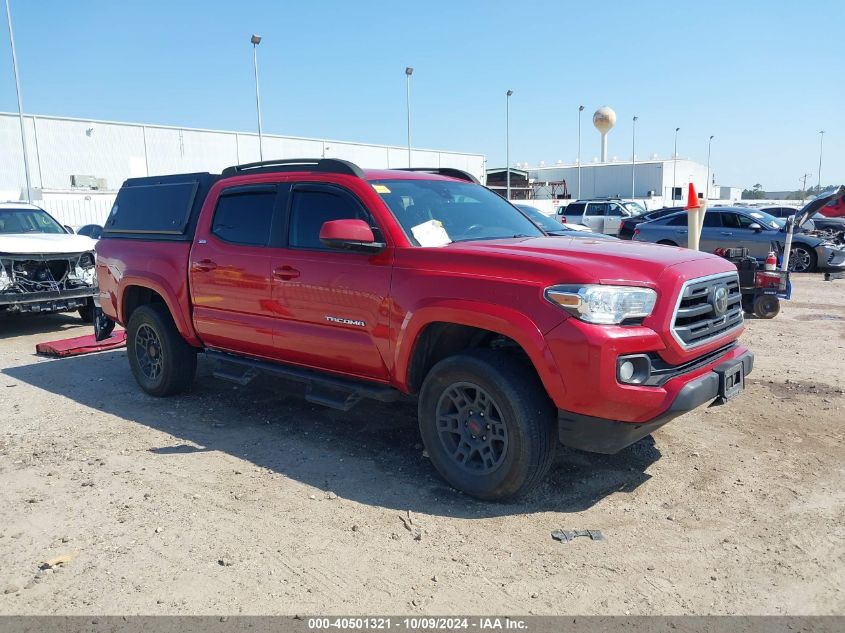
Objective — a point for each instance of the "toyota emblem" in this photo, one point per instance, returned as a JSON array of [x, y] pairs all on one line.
[[720, 300]]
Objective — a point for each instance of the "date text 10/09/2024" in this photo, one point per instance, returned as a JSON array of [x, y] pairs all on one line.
[[417, 624]]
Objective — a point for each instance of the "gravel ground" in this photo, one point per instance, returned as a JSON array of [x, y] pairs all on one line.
[[249, 500]]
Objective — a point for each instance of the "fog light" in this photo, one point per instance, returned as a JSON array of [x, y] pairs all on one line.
[[626, 371], [634, 369]]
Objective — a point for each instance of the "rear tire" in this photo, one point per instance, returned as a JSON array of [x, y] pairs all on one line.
[[160, 359], [487, 424], [766, 306], [667, 242]]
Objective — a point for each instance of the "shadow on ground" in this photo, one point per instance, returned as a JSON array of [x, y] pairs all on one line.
[[371, 454], [28, 324]]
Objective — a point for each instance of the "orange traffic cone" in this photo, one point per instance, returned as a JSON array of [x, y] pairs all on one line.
[[692, 198]]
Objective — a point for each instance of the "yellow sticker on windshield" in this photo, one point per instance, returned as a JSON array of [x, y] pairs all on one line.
[[381, 189]]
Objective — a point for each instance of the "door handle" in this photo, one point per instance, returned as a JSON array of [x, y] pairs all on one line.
[[726, 233], [285, 273], [204, 266], [682, 231]]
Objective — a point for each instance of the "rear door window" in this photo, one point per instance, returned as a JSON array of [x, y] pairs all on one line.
[[244, 215], [597, 209]]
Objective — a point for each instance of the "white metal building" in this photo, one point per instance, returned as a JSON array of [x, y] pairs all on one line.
[[77, 165], [654, 180]]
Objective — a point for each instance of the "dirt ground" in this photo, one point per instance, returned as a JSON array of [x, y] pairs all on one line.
[[249, 500]]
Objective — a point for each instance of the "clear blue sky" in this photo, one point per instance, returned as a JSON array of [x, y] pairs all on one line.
[[763, 77]]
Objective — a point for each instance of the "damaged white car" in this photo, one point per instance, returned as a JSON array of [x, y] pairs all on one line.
[[44, 267]]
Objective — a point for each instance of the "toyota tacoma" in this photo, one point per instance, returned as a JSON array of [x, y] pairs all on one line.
[[386, 284]]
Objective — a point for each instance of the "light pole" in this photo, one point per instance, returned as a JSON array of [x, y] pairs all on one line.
[[508, 139], [707, 188], [20, 106], [408, 72], [821, 146], [256, 40], [580, 110], [633, 155], [675, 164]]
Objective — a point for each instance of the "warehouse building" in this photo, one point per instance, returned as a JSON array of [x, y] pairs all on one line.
[[77, 165], [656, 181]]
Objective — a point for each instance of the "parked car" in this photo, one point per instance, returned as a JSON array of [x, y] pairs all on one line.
[[817, 222], [600, 215], [726, 227], [557, 229], [627, 226], [44, 267], [94, 231], [394, 283]]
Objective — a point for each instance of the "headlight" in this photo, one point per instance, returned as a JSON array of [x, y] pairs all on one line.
[[603, 304]]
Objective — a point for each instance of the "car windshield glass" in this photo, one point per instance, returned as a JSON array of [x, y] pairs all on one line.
[[437, 212], [28, 221], [767, 220], [635, 208], [540, 219]]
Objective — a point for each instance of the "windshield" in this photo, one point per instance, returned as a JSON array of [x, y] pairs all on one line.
[[437, 212], [540, 219], [28, 221], [634, 207], [767, 220]]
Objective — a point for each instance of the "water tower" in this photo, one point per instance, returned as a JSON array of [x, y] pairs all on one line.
[[604, 119]]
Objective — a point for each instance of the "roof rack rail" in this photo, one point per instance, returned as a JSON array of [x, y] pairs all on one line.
[[460, 174], [326, 165]]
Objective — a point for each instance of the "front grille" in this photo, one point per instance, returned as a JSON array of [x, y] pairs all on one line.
[[696, 319]]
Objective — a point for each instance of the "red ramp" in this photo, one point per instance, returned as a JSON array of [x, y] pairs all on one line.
[[81, 345]]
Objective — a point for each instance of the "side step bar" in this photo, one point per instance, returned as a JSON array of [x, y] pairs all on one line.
[[330, 391]]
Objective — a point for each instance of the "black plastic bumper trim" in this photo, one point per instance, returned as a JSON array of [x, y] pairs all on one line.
[[600, 435]]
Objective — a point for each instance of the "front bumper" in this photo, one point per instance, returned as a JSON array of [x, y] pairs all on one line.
[[600, 435], [831, 257], [56, 301]]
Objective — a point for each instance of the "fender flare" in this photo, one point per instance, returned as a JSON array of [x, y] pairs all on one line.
[[178, 303], [496, 318]]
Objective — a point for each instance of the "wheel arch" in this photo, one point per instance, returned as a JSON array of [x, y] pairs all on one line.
[[136, 292], [439, 331]]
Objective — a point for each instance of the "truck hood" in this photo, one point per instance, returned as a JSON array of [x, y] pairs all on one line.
[[588, 260], [44, 243]]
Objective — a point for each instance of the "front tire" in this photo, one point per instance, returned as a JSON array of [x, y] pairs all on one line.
[[86, 312], [160, 359], [487, 424], [802, 259]]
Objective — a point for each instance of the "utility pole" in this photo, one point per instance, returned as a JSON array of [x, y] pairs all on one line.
[[821, 146], [20, 105], [508, 139], [408, 72], [675, 166], [256, 40], [633, 155], [707, 188], [580, 110], [804, 185]]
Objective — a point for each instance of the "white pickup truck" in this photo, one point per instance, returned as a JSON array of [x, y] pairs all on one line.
[[601, 215]]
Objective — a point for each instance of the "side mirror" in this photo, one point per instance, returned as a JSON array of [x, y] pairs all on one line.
[[69, 229], [349, 235], [755, 227]]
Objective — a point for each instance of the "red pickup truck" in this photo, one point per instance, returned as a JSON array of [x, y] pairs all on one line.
[[384, 283]]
